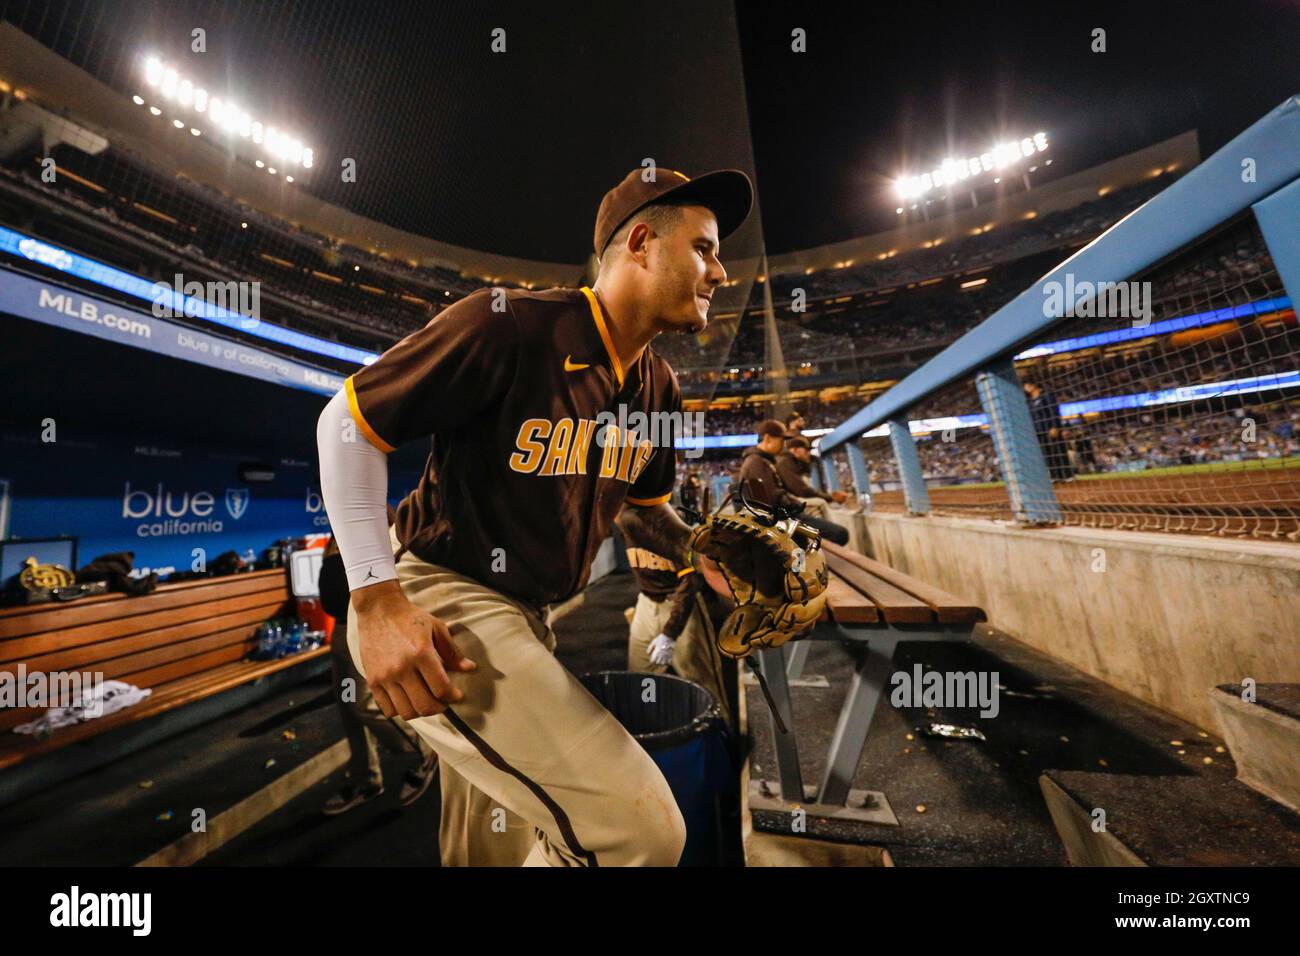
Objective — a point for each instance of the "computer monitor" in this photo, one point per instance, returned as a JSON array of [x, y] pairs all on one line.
[[14, 553]]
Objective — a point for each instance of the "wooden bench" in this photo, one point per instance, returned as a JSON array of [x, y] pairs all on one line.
[[185, 641], [871, 607]]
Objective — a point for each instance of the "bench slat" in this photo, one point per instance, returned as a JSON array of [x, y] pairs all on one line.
[[66, 638], [15, 748], [40, 618], [102, 654], [896, 606], [164, 664], [848, 606], [948, 608]]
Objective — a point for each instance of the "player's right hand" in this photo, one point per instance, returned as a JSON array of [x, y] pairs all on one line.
[[406, 654], [661, 650]]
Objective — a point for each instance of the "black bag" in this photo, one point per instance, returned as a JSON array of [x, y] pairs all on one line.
[[115, 570]]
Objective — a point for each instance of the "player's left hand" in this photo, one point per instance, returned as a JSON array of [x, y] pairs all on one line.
[[661, 650]]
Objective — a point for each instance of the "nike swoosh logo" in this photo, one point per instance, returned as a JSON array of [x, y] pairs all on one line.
[[571, 366]]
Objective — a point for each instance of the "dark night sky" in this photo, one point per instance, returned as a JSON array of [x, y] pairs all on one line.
[[511, 152], [891, 82]]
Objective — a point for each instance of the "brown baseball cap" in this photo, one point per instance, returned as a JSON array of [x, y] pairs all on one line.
[[728, 193]]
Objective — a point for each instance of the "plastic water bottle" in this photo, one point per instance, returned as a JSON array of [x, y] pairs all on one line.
[[265, 648], [268, 641]]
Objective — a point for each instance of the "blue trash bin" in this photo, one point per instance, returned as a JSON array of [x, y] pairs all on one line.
[[681, 726]]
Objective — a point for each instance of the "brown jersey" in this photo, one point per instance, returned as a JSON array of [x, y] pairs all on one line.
[[656, 576], [515, 387], [794, 476]]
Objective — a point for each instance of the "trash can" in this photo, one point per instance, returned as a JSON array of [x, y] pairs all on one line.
[[681, 726]]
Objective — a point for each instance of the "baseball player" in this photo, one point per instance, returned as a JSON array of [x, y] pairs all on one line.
[[670, 625], [448, 620], [793, 467], [762, 482]]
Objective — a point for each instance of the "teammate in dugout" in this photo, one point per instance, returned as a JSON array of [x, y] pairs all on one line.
[[762, 483], [671, 626], [794, 467], [448, 620]]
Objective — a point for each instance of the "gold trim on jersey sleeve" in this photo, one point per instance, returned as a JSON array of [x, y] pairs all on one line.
[[648, 502], [355, 408], [599, 316]]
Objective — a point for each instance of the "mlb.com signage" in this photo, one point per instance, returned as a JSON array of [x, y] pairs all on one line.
[[180, 512]]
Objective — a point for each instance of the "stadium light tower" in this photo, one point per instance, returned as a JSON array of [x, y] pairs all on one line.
[[998, 161], [181, 94]]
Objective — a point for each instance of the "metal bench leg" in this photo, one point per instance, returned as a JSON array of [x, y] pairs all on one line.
[[772, 663], [869, 680], [796, 656]]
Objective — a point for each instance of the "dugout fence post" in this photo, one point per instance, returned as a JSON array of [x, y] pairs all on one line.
[[915, 494], [830, 475], [721, 485], [1020, 456], [858, 467], [1278, 216]]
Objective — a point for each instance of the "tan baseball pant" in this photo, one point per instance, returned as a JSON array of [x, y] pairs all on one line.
[[696, 656], [364, 724], [534, 771]]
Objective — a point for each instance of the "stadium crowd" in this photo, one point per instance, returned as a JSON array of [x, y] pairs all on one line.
[[319, 285]]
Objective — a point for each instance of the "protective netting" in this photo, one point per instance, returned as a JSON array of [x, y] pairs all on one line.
[[958, 460], [107, 153], [1178, 410]]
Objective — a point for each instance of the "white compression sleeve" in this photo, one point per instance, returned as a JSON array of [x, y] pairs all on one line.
[[354, 486]]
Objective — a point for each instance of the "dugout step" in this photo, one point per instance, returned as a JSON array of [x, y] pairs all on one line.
[[1168, 821], [1264, 738]]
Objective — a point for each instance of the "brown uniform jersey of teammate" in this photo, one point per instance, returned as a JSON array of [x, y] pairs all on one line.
[[794, 476], [518, 492], [660, 579], [761, 481]]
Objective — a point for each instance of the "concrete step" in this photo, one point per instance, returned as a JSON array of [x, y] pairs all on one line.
[[1188, 820], [1264, 738]]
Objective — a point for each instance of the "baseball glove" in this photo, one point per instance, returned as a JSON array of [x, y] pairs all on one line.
[[776, 571]]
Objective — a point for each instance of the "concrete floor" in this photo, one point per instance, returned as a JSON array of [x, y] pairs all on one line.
[[982, 801]]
